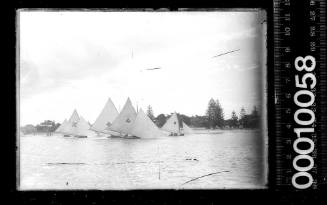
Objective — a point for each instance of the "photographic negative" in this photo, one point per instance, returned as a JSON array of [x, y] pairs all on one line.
[[121, 100]]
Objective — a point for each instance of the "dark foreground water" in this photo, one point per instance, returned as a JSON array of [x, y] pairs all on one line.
[[53, 162]]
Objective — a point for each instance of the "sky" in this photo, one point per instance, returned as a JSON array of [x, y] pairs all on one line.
[[77, 60]]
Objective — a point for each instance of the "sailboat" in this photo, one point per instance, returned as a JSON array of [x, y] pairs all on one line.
[[69, 128], [123, 122], [143, 127], [82, 129], [134, 125], [105, 119], [172, 126], [76, 126]]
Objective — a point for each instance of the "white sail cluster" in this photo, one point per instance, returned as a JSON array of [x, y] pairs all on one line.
[[127, 123], [76, 126]]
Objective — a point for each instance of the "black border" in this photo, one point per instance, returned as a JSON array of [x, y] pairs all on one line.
[[135, 197]]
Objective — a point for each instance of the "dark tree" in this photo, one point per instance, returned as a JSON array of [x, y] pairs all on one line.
[[219, 115], [242, 113], [249, 120], [254, 121], [185, 119], [234, 120], [161, 120], [150, 114], [243, 118], [215, 114], [47, 126], [199, 121], [228, 123], [255, 111], [210, 113]]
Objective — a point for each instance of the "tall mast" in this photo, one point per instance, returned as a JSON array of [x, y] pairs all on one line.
[[137, 107]]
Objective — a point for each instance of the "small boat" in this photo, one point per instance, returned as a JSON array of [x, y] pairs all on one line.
[[173, 127], [66, 128], [76, 126]]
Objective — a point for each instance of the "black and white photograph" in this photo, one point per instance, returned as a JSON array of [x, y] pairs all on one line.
[[139, 100]]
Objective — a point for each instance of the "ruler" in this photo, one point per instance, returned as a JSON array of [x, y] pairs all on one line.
[[299, 32]]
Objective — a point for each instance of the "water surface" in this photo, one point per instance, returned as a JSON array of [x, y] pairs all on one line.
[[55, 162]]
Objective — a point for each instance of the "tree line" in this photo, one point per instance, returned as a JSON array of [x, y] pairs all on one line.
[[47, 126], [213, 118]]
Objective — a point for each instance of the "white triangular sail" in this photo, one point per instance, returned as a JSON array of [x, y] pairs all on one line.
[[187, 129], [71, 126], [83, 128], [172, 124], [124, 121], [106, 118], [143, 127], [74, 117], [65, 128], [61, 127]]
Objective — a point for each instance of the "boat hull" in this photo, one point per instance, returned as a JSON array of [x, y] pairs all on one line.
[[124, 136], [80, 136], [131, 137], [176, 134], [115, 136]]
